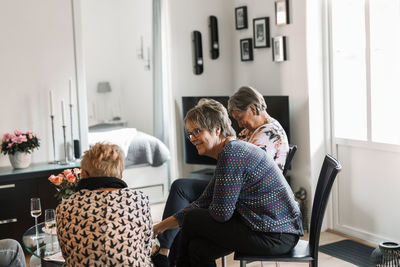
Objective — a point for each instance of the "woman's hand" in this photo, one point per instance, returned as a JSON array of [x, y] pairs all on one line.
[[158, 229], [169, 223]]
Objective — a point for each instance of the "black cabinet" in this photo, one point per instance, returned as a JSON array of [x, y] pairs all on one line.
[[17, 187]]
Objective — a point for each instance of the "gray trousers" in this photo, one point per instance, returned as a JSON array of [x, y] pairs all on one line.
[[11, 253]]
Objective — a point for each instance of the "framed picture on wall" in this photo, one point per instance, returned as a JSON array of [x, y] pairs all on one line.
[[282, 12], [261, 32], [279, 53], [241, 17], [246, 49]]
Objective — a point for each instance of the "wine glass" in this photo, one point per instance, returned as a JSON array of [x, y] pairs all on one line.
[[50, 225], [50, 219], [36, 211]]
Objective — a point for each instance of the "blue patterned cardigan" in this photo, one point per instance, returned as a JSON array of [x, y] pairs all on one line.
[[248, 181]]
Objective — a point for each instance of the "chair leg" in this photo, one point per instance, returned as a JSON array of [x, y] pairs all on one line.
[[223, 261], [313, 263], [242, 263]]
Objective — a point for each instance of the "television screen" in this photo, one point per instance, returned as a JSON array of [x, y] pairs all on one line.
[[277, 107]]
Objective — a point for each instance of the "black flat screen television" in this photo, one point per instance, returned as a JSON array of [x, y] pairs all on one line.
[[277, 107]]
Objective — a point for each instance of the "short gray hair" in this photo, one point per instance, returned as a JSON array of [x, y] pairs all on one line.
[[208, 114], [244, 97]]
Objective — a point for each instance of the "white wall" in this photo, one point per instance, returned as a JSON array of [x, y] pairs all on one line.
[[111, 32], [217, 79], [318, 88], [261, 73], [101, 41], [283, 78], [36, 51], [368, 190]]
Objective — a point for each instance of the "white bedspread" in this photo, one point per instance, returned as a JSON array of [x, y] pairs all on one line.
[[121, 137]]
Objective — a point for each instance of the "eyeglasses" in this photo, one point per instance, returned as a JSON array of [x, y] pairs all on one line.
[[194, 133]]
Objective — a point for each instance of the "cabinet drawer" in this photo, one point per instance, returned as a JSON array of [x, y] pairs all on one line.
[[17, 197], [8, 198], [15, 212], [11, 230]]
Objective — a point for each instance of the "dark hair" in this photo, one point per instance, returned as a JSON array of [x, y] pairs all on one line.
[[208, 114]]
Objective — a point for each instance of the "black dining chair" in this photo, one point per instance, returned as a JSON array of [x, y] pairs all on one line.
[[306, 251], [289, 157]]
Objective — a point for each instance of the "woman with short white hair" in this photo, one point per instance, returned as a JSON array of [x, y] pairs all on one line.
[[247, 106]]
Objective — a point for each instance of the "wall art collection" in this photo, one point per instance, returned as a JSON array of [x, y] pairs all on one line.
[[261, 36], [261, 32]]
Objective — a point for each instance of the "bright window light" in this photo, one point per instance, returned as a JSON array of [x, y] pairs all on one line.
[[349, 69], [385, 70]]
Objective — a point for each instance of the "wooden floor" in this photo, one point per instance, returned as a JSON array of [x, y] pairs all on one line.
[[324, 259]]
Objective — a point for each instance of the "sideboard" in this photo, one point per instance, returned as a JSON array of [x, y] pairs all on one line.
[[17, 187]]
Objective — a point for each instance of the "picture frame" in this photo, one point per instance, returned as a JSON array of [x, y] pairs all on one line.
[[246, 49], [261, 32], [241, 18], [282, 12], [279, 52]]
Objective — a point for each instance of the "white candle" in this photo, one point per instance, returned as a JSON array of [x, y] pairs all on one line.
[[51, 104], [63, 112], [70, 91]]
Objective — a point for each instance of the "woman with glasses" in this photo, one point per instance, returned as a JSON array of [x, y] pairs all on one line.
[[246, 207]]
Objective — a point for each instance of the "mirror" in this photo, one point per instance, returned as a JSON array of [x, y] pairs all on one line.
[[115, 73], [117, 48]]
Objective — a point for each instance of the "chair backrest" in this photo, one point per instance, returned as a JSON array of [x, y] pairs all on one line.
[[289, 157], [330, 168]]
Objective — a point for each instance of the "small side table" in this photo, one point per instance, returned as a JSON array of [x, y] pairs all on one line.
[[44, 246]]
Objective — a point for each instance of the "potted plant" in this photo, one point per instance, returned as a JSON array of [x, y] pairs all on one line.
[[66, 182], [19, 146]]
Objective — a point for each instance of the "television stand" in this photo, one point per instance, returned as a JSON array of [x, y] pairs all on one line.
[[204, 174]]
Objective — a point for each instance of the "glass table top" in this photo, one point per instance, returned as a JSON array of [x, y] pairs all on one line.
[[44, 244]]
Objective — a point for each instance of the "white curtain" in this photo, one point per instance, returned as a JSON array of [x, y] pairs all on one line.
[[161, 110]]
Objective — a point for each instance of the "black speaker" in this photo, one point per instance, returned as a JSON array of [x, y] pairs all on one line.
[[197, 53], [214, 44], [77, 149]]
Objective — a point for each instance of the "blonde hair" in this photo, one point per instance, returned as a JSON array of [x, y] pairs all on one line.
[[208, 114], [245, 97], [103, 160]]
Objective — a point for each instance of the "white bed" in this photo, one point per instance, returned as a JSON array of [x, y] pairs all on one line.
[[146, 162], [153, 181]]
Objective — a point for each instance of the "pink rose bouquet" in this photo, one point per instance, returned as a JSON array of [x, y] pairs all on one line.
[[19, 142], [66, 182]]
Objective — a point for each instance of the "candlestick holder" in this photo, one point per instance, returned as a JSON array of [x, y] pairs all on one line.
[[54, 141], [72, 155], [65, 161]]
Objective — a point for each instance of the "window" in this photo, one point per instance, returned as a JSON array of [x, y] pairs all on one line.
[[365, 71], [385, 70], [348, 69]]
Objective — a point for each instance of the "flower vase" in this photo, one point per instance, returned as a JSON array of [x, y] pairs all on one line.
[[20, 160]]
